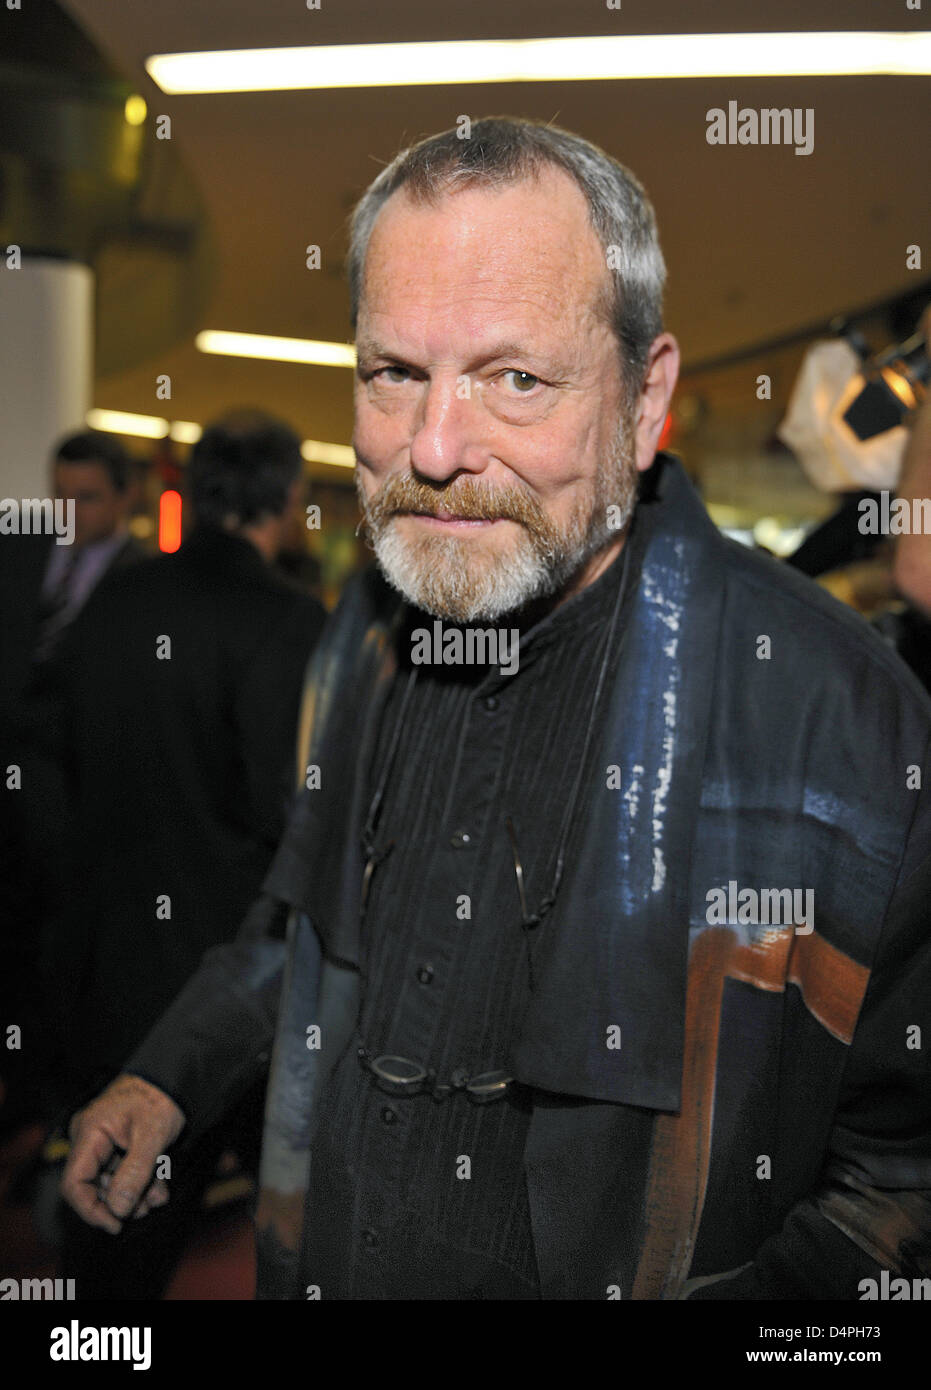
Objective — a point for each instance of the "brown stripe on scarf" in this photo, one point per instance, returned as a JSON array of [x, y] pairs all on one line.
[[832, 986], [682, 1143]]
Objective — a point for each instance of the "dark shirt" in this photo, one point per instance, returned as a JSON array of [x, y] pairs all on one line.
[[414, 1197]]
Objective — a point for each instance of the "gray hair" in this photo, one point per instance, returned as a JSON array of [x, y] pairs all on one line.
[[503, 149]]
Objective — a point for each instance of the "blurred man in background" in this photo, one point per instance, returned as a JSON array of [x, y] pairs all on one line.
[[45, 584], [179, 699], [93, 470], [43, 587]]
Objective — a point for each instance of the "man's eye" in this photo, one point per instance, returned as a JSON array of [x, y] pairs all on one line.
[[523, 382], [394, 374]]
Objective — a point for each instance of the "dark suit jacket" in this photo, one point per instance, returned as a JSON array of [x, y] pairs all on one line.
[[179, 692], [30, 814], [764, 1128], [23, 561]]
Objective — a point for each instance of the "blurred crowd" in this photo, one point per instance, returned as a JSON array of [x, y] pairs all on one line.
[[149, 708]]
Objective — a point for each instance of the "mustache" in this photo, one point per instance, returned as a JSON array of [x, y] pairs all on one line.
[[465, 499]]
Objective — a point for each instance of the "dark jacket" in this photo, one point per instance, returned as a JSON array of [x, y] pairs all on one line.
[[23, 562], [31, 814], [180, 693], [764, 1129]]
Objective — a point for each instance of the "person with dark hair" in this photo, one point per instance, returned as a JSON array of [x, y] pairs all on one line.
[[45, 583], [96, 446], [180, 697], [242, 469], [92, 469], [607, 950]]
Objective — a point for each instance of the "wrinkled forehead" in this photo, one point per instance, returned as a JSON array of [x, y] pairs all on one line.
[[527, 243]]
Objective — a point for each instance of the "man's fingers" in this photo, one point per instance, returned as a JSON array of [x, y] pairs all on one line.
[[91, 1150], [156, 1196], [90, 1154], [98, 1214], [87, 1202], [116, 1141], [133, 1176], [100, 1192]]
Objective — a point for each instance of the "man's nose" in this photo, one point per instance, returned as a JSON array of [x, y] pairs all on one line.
[[449, 433]]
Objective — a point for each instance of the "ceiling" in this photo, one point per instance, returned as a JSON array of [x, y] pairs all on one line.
[[759, 241]]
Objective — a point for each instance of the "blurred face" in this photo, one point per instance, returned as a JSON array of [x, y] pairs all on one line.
[[490, 428], [99, 507]]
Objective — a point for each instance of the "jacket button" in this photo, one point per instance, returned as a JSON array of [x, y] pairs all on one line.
[[389, 1116], [460, 839], [425, 974], [370, 1238], [491, 703]]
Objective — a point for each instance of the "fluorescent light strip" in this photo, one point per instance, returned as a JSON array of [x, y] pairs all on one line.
[[122, 422], [271, 349], [608, 58], [340, 455], [187, 432]]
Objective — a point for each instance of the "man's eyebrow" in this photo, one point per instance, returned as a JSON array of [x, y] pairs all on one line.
[[368, 347], [506, 350], [513, 351]]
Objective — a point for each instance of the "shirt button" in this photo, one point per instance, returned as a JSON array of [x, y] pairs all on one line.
[[460, 839], [389, 1116], [491, 703], [425, 974], [370, 1237]]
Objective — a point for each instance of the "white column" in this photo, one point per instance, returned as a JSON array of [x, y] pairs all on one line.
[[46, 365]]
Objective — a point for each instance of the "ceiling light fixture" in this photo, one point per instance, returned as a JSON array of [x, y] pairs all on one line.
[[261, 345], [606, 58], [123, 422], [316, 451], [185, 431]]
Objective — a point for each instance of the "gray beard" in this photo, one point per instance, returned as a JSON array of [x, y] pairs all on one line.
[[462, 580]]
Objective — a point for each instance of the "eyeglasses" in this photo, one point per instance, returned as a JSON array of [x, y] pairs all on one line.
[[399, 1076]]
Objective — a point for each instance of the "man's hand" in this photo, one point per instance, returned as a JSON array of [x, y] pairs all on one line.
[[133, 1116]]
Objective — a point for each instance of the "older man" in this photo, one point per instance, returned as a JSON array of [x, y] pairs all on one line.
[[604, 970]]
